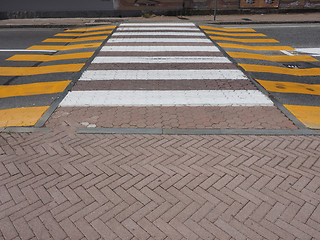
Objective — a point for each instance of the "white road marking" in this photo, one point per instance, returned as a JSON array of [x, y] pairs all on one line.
[[162, 74], [156, 24], [160, 49], [167, 98], [286, 52], [311, 51], [159, 40], [155, 33], [161, 60], [157, 29]]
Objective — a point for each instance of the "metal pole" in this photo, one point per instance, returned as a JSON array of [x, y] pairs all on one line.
[[215, 10]]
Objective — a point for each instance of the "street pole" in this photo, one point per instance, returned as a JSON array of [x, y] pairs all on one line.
[[215, 10]]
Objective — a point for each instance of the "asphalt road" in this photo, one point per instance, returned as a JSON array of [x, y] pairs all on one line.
[[297, 36], [20, 39]]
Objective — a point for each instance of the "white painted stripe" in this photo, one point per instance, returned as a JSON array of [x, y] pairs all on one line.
[[157, 29], [166, 98], [286, 52], [156, 40], [162, 74], [155, 33], [311, 51], [160, 49], [161, 60], [156, 24]]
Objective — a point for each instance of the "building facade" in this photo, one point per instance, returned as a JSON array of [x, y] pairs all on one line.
[[95, 8]]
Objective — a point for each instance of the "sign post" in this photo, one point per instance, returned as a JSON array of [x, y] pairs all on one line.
[[215, 10]]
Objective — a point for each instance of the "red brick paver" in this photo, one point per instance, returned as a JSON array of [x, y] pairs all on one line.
[[64, 186], [171, 117]]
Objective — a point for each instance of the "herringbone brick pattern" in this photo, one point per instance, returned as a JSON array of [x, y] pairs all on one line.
[[65, 186]]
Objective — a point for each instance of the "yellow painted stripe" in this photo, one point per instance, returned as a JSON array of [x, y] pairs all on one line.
[[256, 48], [64, 48], [21, 116], [47, 58], [27, 71], [275, 58], [33, 89], [244, 40], [281, 70], [236, 34], [229, 29], [90, 29], [308, 115], [290, 87], [81, 34], [76, 39]]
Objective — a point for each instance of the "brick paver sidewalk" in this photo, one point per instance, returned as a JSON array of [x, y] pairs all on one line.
[[60, 185]]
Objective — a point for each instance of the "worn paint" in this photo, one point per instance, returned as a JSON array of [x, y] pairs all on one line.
[[281, 70], [162, 74], [229, 29], [290, 87], [176, 59], [255, 48], [33, 89], [308, 115], [90, 29], [155, 33], [245, 40], [21, 116], [236, 34], [160, 48], [84, 39], [27, 71], [47, 58], [159, 40], [275, 58], [81, 34], [167, 98], [65, 48]]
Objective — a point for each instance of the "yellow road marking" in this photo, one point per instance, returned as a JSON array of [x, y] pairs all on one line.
[[244, 40], [76, 39], [275, 58], [90, 29], [290, 87], [64, 48], [256, 48], [81, 34], [21, 116], [229, 29], [47, 58], [33, 89], [236, 34], [308, 115], [281, 70], [26, 71]]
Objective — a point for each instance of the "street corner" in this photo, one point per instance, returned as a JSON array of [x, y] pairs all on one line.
[[34, 79], [289, 75]]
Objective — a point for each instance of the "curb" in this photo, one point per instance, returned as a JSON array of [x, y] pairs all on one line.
[[10, 26], [263, 22]]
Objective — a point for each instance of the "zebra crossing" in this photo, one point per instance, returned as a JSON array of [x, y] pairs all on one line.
[[162, 64]]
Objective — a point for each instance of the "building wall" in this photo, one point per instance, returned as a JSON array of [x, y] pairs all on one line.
[[92, 8]]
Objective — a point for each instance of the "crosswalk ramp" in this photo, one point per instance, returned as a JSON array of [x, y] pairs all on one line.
[[166, 75], [141, 54], [291, 76]]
